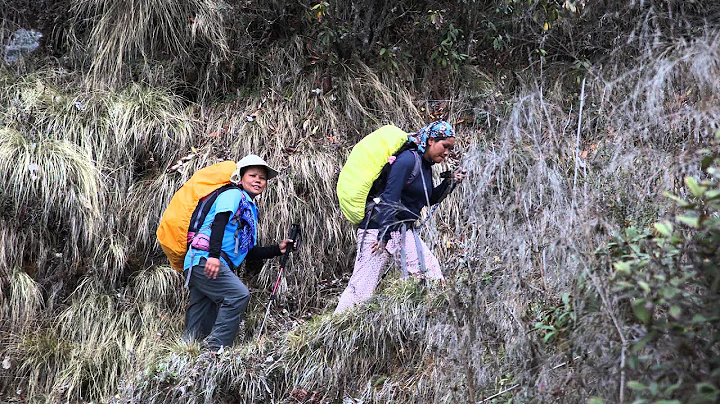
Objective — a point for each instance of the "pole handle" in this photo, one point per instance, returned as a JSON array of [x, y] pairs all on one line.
[[295, 236]]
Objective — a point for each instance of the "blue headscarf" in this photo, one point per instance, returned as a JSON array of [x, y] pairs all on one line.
[[437, 129]]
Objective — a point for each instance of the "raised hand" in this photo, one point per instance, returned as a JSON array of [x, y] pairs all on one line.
[[459, 174]]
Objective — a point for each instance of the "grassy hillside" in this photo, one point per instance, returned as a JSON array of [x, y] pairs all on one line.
[[581, 254]]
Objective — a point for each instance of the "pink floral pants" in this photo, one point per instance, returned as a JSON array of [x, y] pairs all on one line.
[[368, 266]]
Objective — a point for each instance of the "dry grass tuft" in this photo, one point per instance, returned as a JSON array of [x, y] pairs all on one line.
[[252, 373], [122, 33], [160, 285], [149, 129], [54, 185], [37, 357], [142, 208], [24, 304], [367, 96], [337, 353], [101, 338], [149, 123], [59, 111]]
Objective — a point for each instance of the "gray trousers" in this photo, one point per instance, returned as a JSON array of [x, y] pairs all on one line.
[[216, 306]]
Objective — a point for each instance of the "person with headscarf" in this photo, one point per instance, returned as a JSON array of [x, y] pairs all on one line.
[[388, 229], [227, 237]]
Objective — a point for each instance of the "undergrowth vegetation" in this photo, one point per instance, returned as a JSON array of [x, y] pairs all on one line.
[[580, 254], [668, 278]]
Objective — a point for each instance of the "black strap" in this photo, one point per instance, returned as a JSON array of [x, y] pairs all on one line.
[[229, 262], [378, 185], [204, 205]]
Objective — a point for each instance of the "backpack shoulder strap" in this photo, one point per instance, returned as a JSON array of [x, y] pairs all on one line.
[[415, 171], [229, 262], [243, 198], [379, 184], [203, 207]]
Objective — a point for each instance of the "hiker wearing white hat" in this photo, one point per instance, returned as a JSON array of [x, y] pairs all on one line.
[[218, 298], [252, 160]]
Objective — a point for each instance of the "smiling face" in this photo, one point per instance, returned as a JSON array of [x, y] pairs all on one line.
[[254, 180], [438, 150]]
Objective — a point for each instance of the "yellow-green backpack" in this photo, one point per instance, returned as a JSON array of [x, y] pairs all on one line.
[[365, 164]]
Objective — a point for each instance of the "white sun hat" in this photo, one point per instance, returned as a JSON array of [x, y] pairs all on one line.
[[249, 161]]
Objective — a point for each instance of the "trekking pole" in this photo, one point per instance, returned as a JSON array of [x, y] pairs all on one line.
[[295, 237]]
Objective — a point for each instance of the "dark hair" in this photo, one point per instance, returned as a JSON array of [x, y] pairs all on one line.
[[437, 138]]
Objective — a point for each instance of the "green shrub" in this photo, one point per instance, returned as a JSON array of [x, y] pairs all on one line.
[[669, 278]]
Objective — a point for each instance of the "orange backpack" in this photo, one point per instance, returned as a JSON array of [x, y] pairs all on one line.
[[173, 229]]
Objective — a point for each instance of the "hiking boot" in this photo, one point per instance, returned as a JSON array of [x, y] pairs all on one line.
[[208, 356], [208, 351]]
